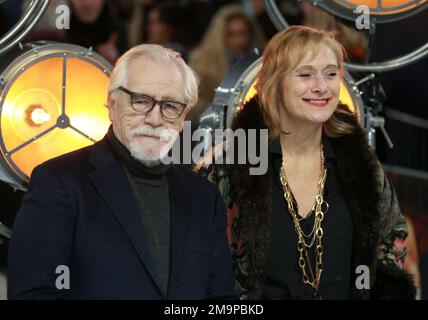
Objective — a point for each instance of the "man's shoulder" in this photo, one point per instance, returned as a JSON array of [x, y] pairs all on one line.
[[72, 162]]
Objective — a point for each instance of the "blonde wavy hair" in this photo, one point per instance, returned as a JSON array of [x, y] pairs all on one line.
[[210, 55], [209, 58], [282, 54]]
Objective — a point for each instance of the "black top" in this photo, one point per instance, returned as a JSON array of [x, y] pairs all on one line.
[[150, 189], [284, 276]]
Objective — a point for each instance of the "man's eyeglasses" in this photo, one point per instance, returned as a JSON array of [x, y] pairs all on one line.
[[143, 103]]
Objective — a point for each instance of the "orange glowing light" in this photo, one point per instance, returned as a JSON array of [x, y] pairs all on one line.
[[382, 7], [38, 95], [39, 116]]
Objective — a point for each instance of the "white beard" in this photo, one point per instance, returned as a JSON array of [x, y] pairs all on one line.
[[145, 153]]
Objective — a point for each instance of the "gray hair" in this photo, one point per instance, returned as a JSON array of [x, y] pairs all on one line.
[[155, 53]]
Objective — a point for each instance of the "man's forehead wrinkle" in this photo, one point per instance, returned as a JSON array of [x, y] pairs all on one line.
[[170, 95]]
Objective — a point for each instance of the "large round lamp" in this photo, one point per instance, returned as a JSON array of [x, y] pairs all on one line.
[[52, 100]]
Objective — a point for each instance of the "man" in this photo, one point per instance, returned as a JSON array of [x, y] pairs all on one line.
[[113, 220]]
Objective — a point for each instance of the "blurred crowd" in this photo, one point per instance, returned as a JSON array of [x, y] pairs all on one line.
[[210, 35]]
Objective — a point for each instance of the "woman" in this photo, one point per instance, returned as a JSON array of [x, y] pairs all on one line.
[[321, 223], [231, 36], [171, 26]]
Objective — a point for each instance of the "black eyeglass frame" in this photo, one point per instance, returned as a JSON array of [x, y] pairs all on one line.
[[155, 102]]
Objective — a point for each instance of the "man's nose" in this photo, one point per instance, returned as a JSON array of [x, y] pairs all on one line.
[[154, 117]]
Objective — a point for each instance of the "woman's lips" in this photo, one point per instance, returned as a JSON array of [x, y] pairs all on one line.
[[317, 102]]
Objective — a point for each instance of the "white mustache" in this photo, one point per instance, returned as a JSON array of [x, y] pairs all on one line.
[[147, 131], [160, 133]]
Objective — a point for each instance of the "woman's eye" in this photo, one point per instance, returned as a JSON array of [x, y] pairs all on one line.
[[331, 74], [304, 75]]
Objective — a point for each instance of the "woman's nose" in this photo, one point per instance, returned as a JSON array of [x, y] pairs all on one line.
[[320, 85]]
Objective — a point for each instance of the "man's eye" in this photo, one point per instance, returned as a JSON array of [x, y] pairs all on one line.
[[143, 101], [331, 74], [171, 105]]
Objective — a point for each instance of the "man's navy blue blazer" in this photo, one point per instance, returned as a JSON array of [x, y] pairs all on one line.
[[79, 212]]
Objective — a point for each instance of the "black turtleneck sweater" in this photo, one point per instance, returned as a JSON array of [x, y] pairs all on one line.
[[150, 188]]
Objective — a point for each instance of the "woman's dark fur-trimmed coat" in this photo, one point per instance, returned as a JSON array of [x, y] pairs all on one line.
[[379, 228]]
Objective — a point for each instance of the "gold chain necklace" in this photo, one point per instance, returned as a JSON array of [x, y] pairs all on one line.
[[302, 246]]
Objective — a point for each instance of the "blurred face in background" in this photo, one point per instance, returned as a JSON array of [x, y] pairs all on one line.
[[238, 35], [87, 11], [158, 32]]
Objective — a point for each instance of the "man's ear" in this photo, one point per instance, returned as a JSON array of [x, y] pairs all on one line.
[[111, 106]]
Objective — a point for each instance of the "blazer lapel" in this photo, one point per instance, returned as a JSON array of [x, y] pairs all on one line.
[[111, 182], [180, 193]]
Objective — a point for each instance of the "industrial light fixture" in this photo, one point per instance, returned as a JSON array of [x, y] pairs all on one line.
[[52, 100], [380, 10]]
